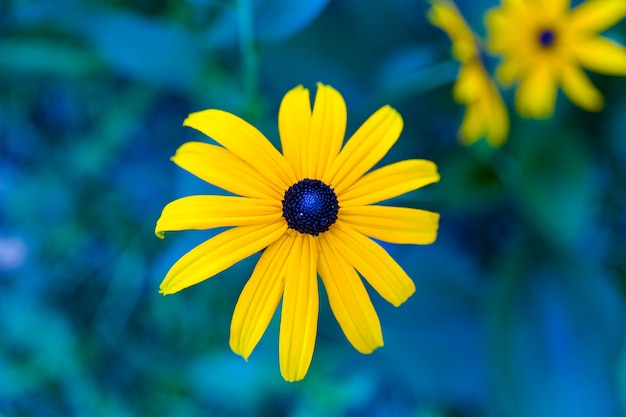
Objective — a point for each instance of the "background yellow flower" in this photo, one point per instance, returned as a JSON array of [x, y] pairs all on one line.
[[486, 114], [545, 44]]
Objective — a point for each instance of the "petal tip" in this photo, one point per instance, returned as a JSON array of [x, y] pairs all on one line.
[[238, 346], [239, 352], [298, 88], [436, 175], [372, 349], [404, 297], [193, 119], [166, 289], [320, 85], [368, 350], [292, 378]]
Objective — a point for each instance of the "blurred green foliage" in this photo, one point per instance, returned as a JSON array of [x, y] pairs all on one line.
[[519, 309]]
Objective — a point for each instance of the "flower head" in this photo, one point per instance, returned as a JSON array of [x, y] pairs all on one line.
[[485, 113], [312, 208], [545, 44]]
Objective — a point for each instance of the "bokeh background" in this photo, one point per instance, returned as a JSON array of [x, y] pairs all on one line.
[[519, 308]]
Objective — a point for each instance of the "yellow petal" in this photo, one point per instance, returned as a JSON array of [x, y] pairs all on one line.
[[328, 128], [509, 71], [578, 88], [294, 120], [220, 167], [499, 23], [364, 149], [522, 11], [601, 55], [474, 124], [553, 9], [245, 141], [219, 253], [498, 130], [597, 15], [536, 94], [486, 115], [495, 23], [445, 15], [260, 297], [372, 261], [201, 212], [516, 5], [390, 181], [298, 323], [468, 84], [393, 224], [349, 300]]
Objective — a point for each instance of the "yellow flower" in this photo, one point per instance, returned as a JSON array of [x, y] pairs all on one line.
[[545, 44], [485, 113], [312, 208]]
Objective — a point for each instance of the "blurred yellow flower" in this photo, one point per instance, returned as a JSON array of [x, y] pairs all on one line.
[[485, 113], [312, 208], [545, 44]]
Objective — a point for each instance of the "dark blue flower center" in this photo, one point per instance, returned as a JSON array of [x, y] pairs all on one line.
[[310, 206], [547, 38]]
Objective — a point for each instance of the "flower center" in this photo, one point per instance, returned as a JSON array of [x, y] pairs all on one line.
[[547, 37], [310, 206]]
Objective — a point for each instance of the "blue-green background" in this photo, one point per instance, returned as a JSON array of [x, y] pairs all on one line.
[[519, 308]]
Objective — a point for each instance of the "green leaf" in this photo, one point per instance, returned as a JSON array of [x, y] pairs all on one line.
[[556, 186], [147, 49], [46, 57], [279, 19]]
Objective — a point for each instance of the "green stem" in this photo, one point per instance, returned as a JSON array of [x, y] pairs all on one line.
[[247, 48]]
